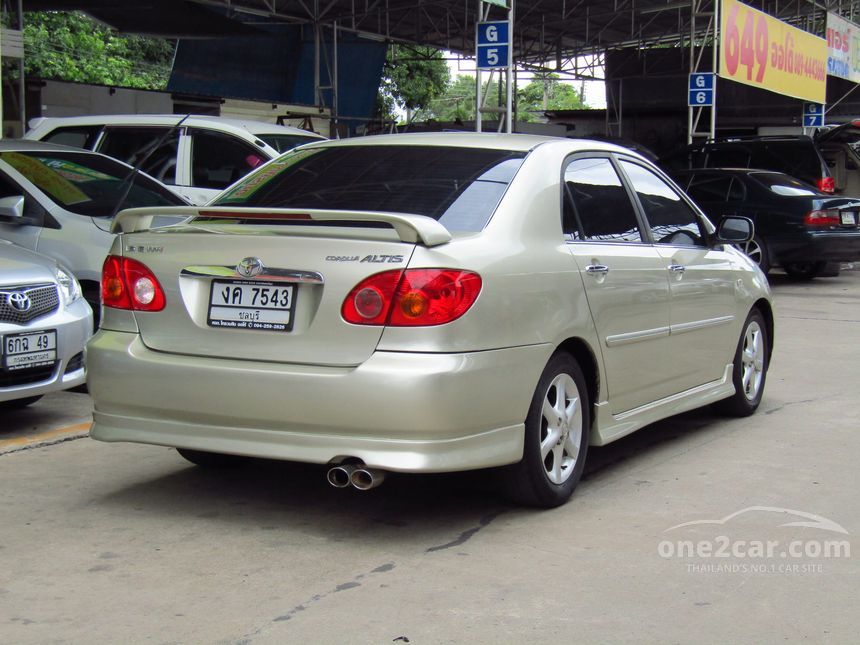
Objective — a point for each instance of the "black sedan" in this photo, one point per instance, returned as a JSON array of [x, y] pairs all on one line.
[[796, 226]]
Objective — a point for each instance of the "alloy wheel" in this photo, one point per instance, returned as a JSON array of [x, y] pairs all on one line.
[[561, 429]]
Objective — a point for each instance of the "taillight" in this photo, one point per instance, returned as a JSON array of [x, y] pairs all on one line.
[[412, 298], [826, 185], [129, 284], [822, 218]]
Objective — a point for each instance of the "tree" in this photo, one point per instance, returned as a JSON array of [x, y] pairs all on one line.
[[411, 78], [70, 46], [559, 96], [458, 101]]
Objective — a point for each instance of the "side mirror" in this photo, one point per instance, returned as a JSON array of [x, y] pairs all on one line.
[[12, 208], [735, 230]]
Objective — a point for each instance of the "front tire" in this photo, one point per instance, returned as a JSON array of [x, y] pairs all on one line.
[[556, 437], [752, 359]]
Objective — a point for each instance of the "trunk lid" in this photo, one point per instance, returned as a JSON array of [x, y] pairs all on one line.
[[208, 311]]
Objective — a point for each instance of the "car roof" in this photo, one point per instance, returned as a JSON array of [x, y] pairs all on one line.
[[485, 140], [28, 145], [249, 125]]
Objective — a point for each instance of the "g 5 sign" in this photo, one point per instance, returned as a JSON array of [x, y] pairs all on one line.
[[493, 42]]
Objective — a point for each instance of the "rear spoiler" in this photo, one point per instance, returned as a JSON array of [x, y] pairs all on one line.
[[410, 228]]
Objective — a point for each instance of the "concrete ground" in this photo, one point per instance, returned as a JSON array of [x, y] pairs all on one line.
[[129, 544]]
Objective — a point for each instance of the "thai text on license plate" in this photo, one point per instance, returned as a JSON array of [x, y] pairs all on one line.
[[29, 350], [243, 304]]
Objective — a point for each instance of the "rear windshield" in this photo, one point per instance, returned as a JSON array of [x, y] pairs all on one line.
[[784, 185], [284, 142], [86, 183], [796, 158], [459, 187]]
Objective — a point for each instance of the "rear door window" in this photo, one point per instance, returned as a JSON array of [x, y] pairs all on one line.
[[156, 148], [218, 159], [597, 207], [79, 136]]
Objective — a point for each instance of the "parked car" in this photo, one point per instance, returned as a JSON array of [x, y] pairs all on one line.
[[797, 156], [426, 303], [796, 226], [59, 201], [840, 147], [44, 326], [198, 157]]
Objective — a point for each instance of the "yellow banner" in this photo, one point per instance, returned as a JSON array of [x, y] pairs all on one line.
[[759, 50]]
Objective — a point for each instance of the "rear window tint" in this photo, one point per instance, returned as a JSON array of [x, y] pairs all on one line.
[[459, 187], [784, 185]]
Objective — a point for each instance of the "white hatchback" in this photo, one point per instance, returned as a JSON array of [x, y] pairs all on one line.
[[197, 156]]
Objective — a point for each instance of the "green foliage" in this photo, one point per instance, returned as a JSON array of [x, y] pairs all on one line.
[[559, 96], [411, 78], [458, 101], [70, 46]]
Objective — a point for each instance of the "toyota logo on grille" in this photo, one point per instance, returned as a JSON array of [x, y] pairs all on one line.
[[250, 267], [20, 301]]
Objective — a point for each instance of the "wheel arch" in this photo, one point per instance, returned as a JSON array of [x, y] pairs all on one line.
[[584, 356], [767, 311]]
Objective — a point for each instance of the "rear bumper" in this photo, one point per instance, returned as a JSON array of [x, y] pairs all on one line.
[[406, 412], [837, 246]]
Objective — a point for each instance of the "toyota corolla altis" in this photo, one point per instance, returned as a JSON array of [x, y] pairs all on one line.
[[428, 303]]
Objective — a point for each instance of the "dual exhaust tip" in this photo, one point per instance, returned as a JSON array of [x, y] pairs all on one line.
[[357, 476]]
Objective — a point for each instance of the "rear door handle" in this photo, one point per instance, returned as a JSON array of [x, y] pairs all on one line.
[[677, 268], [600, 269]]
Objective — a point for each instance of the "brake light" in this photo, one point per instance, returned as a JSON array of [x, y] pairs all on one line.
[[822, 218], [826, 185], [412, 298], [129, 284]]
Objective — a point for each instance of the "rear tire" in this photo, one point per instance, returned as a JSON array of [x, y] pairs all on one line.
[[752, 359], [803, 271], [556, 437], [213, 460]]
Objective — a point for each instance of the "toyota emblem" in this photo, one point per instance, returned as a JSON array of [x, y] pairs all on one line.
[[250, 267], [20, 301]]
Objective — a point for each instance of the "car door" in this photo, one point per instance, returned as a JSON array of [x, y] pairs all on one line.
[[218, 159], [625, 280], [701, 280], [154, 148]]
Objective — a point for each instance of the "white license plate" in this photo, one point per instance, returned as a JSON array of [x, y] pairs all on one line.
[[29, 350], [848, 218], [243, 304]]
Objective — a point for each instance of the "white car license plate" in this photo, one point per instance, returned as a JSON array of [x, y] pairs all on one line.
[[243, 304], [848, 218], [29, 350]]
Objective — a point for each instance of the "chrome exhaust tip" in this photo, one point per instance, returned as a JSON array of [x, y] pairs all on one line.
[[339, 476], [366, 478]]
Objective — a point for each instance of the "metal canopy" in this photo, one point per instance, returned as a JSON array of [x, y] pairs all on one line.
[[549, 34]]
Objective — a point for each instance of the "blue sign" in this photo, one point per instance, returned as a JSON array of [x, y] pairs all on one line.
[[701, 90], [813, 115], [493, 40]]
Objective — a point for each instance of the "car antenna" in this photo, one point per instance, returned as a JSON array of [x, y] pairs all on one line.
[[128, 181]]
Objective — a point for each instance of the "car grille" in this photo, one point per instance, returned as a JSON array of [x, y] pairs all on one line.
[[42, 298], [26, 377]]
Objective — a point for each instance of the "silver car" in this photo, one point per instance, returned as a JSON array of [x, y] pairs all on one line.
[[44, 326], [429, 303]]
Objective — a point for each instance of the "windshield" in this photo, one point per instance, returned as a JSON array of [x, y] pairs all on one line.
[[88, 184], [459, 187], [784, 185], [285, 142]]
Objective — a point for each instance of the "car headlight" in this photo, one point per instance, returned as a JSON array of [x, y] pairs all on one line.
[[69, 287]]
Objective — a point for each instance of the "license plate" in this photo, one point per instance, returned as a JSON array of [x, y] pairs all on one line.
[[29, 350], [243, 304], [848, 218]]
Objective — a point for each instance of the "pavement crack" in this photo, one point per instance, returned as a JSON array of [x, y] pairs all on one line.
[[467, 535], [789, 404]]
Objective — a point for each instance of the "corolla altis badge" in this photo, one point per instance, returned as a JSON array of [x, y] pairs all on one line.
[[20, 301], [250, 267]]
